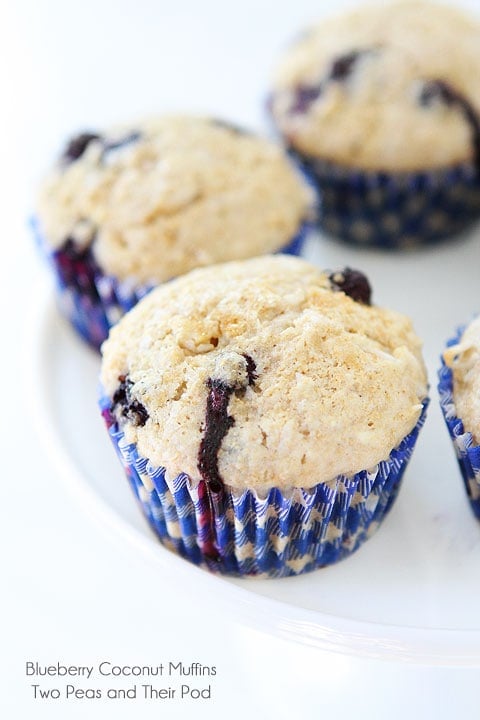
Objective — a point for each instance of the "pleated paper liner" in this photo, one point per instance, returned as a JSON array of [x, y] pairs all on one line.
[[275, 534], [394, 210], [466, 450]]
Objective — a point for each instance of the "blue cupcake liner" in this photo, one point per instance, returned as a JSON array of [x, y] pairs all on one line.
[[467, 452], [277, 534], [98, 303], [394, 210]]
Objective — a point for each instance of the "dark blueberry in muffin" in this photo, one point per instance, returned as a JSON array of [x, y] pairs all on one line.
[[440, 91], [435, 90], [251, 370], [125, 406], [218, 422], [304, 96], [353, 283], [77, 268], [77, 146], [340, 70], [343, 66]]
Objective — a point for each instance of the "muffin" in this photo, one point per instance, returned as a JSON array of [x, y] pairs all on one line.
[[131, 208], [264, 412], [459, 390], [382, 105]]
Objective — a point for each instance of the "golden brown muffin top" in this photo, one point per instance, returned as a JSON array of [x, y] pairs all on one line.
[[384, 87], [315, 383], [168, 194]]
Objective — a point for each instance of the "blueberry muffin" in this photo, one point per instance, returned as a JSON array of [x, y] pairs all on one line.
[[459, 389], [128, 209], [264, 412], [382, 105]]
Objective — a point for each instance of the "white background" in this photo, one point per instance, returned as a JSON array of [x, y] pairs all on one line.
[[72, 591]]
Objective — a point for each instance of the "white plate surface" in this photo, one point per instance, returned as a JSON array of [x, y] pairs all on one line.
[[411, 592]]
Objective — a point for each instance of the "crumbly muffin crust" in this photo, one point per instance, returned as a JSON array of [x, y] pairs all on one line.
[[169, 194], [389, 86], [290, 380], [464, 360]]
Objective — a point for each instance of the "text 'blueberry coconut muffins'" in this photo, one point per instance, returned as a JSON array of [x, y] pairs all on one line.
[[134, 207], [264, 413], [382, 104], [459, 390]]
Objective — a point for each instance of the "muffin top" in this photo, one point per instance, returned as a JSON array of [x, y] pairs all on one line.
[[385, 87], [166, 195], [264, 373], [464, 360]]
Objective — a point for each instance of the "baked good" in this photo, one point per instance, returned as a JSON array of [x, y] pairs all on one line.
[[264, 412], [459, 390], [382, 104], [125, 210]]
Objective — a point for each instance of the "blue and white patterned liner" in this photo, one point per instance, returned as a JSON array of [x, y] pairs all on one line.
[[394, 210], [92, 318], [274, 535], [467, 452]]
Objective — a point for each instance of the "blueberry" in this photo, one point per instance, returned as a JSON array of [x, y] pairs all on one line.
[[251, 369], [125, 406], [441, 91], [304, 96], [342, 67], [353, 283], [77, 146], [77, 268], [218, 422]]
